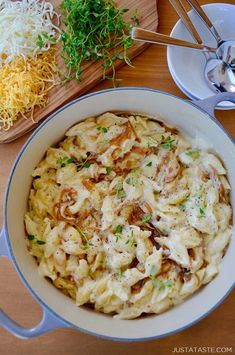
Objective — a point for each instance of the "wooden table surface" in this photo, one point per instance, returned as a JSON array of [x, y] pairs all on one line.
[[216, 330]]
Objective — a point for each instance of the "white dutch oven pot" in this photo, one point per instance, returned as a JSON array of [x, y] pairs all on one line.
[[58, 309]]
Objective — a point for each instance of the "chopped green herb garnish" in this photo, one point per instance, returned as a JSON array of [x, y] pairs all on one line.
[[132, 240], [119, 186], [105, 141], [167, 142], [103, 129], [109, 170], [119, 191], [87, 164], [121, 194], [202, 212], [118, 229], [93, 30], [195, 154], [65, 161], [162, 287], [153, 270], [135, 170], [131, 181], [118, 236], [87, 245], [31, 237], [146, 218], [149, 164], [120, 272], [70, 161], [152, 274], [40, 242], [155, 282], [168, 283]]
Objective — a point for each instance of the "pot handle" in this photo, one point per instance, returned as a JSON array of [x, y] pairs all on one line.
[[49, 321], [210, 103], [4, 251]]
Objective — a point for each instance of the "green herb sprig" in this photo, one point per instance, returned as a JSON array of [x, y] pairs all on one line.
[[135, 170], [38, 241], [94, 30], [146, 218], [87, 245], [119, 191], [120, 272], [167, 142], [202, 212], [108, 170], [118, 231], [161, 285], [131, 240], [152, 276], [64, 161], [131, 181], [103, 129], [195, 154]]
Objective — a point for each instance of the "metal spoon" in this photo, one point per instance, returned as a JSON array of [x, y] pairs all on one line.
[[227, 52], [219, 76], [226, 48]]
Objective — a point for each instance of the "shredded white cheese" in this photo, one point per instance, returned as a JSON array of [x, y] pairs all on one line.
[[26, 28]]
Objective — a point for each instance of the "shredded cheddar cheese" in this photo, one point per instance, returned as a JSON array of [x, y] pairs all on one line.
[[24, 85]]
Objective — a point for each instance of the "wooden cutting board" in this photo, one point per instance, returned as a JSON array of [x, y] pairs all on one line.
[[92, 72]]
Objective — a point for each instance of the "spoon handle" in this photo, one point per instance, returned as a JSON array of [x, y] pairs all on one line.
[[179, 8], [141, 34], [198, 9]]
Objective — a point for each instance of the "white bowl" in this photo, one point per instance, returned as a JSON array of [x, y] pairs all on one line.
[[186, 65], [60, 310]]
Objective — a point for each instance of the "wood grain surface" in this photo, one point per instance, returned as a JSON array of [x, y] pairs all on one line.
[[92, 72], [216, 330]]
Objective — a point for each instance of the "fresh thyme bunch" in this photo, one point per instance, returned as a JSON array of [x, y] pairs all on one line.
[[94, 29]]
